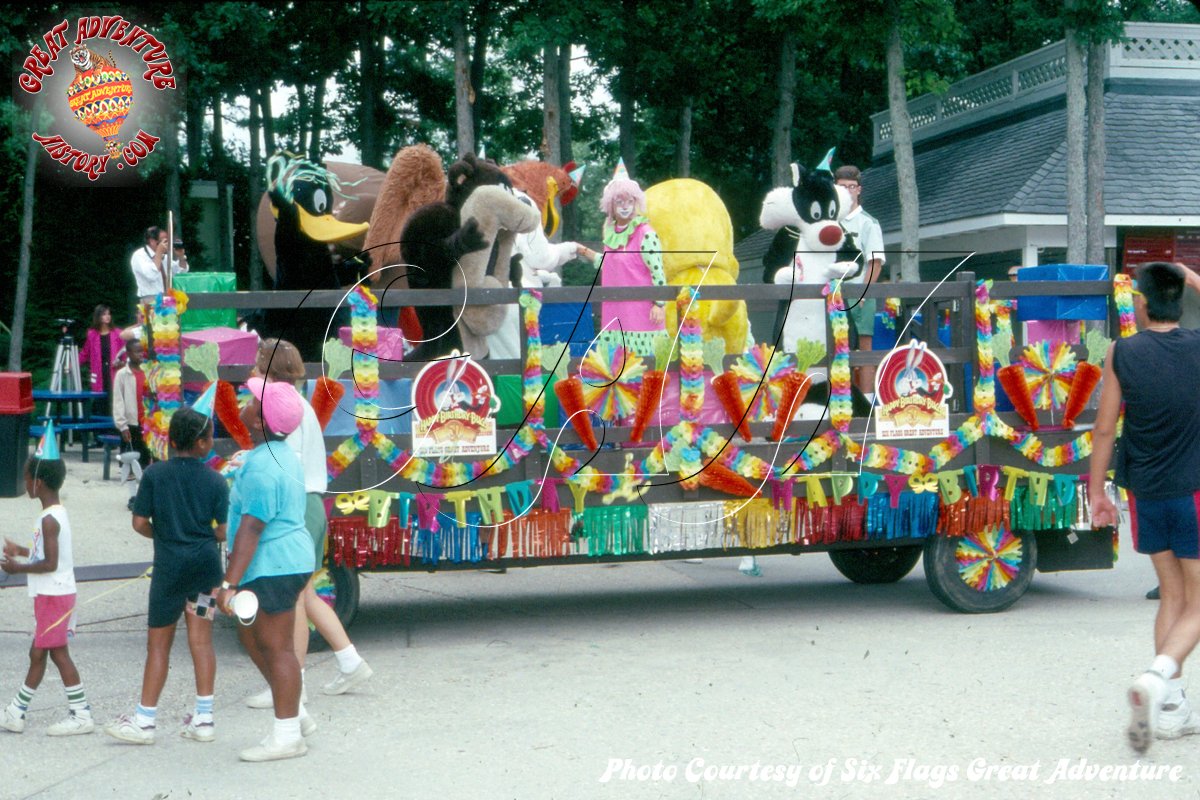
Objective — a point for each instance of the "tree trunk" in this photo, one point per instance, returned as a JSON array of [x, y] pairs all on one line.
[[256, 189], [17, 341], [225, 246], [781, 146], [1097, 152], [268, 119], [478, 63], [1076, 168], [463, 94], [552, 115], [902, 150], [171, 151], [194, 128], [625, 121], [369, 143], [570, 220], [317, 121], [302, 115], [683, 147]]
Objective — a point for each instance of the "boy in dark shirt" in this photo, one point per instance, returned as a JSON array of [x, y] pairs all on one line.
[[1156, 374], [182, 505]]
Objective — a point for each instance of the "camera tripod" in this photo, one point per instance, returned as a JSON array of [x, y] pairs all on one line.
[[65, 375]]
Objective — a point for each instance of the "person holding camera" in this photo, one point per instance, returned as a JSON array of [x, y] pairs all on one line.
[[150, 264], [182, 506]]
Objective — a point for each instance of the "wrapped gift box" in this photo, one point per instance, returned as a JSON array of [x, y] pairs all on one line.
[[512, 405], [390, 346], [201, 318], [558, 320], [237, 347], [1059, 307]]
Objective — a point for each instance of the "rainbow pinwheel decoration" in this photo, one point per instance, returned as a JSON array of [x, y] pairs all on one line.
[[612, 379], [1048, 372]]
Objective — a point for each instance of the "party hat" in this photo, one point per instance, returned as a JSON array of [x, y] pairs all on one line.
[[620, 171], [47, 449], [827, 162], [577, 174], [204, 403]]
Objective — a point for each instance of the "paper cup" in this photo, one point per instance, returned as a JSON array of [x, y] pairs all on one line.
[[245, 607]]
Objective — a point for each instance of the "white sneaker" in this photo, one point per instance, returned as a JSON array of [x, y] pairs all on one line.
[[308, 725], [198, 731], [77, 722], [270, 750], [1176, 720], [264, 699], [126, 729], [12, 720], [1145, 696], [345, 681]]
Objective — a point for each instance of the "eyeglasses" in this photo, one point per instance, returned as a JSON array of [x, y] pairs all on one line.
[[850, 185]]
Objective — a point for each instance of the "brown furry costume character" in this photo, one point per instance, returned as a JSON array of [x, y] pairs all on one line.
[[544, 183]]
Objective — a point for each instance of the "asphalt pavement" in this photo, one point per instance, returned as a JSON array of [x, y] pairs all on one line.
[[652, 680]]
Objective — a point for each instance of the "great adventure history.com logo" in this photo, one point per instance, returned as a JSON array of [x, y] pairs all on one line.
[[100, 94]]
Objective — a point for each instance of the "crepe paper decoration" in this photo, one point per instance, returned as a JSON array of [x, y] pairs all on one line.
[[649, 398], [808, 353], [327, 394], [714, 354], [730, 394], [1123, 300], [840, 407], [1012, 378], [570, 396], [379, 507], [203, 358], [758, 372], [229, 414], [1097, 347], [1048, 371], [948, 485], [1002, 334], [1087, 376], [691, 356], [795, 388], [337, 358], [611, 378], [989, 560], [557, 356], [984, 393], [842, 486], [908, 516], [615, 530], [717, 476], [665, 350]]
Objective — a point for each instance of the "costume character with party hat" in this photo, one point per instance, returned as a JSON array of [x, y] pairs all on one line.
[[696, 235], [632, 257], [49, 569]]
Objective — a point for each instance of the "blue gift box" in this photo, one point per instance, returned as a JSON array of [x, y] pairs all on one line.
[[393, 401], [1059, 307], [568, 322]]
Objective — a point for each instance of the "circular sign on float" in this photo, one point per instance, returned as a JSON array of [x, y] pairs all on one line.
[[912, 391], [454, 409]]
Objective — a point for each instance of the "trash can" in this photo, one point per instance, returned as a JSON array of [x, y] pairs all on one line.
[[16, 405]]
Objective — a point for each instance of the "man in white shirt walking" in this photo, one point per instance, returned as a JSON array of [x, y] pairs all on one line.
[[148, 260]]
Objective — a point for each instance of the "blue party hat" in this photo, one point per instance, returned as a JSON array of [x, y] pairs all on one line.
[[827, 162], [47, 448], [577, 174], [620, 171], [204, 403]]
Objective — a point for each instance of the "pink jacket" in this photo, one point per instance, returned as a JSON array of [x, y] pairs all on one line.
[[90, 356]]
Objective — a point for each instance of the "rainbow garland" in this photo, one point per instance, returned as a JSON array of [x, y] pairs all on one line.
[[985, 386], [165, 379], [1123, 298], [841, 409], [691, 356]]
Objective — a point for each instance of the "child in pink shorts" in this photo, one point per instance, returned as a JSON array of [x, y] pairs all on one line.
[[50, 575]]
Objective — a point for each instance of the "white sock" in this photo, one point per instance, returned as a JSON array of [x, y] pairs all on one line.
[[348, 659], [287, 731], [301, 712], [1164, 666], [1175, 694]]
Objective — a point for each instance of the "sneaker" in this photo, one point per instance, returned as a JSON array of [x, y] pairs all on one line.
[[75, 724], [12, 720], [308, 725], [345, 681], [270, 750], [125, 729], [264, 699], [198, 731], [749, 566], [1145, 696], [1176, 720]]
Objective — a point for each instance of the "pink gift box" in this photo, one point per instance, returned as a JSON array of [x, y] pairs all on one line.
[[391, 342], [237, 347]]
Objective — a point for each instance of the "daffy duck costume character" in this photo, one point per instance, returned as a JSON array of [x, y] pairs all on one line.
[[302, 197]]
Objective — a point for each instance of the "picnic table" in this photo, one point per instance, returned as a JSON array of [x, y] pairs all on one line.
[[71, 412]]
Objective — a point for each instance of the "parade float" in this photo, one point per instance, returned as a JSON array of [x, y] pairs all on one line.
[[699, 452]]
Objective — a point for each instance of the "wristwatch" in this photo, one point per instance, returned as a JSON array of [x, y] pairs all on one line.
[[227, 585]]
